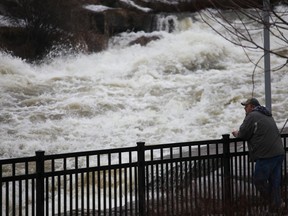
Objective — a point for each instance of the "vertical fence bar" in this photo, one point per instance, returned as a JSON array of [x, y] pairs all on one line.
[[130, 185], [1, 203], [7, 198], [152, 203], [109, 183], [141, 177], [39, 183], [13, 189], [26, 189], [120, 183], [53, 186], [227, 174], [284, 179], [88, 186]]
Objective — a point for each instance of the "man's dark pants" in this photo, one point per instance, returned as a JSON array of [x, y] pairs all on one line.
[[267, 179]]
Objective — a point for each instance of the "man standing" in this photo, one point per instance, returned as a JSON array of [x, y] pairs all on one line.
[[266, 149]]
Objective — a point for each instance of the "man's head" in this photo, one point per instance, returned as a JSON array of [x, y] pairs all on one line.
[[250, 104]]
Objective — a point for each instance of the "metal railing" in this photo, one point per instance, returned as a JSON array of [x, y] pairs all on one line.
[[212, 177]]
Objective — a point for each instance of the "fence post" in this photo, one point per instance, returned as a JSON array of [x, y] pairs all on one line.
[[227, 174], [40, 183], [1, 205], [141, 177]]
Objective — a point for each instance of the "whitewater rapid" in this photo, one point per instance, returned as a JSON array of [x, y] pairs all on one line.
[[186, 86]]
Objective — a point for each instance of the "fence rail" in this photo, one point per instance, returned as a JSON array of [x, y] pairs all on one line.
[[211, 177]]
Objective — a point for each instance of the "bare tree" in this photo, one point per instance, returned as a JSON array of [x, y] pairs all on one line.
[[242, 21]]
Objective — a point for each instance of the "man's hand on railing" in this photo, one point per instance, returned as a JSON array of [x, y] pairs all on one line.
[[235, 133]]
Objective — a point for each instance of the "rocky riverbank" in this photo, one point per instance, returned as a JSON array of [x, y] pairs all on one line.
[[31, 30]]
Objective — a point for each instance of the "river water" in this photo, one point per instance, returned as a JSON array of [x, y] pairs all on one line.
[[186, 86]]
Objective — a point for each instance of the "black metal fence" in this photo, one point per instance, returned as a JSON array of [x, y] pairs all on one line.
[[212, 177]]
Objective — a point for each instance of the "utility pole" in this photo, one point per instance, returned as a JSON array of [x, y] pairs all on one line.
[[267, 69]]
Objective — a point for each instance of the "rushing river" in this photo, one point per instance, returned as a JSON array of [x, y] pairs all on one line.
[[186, 86]]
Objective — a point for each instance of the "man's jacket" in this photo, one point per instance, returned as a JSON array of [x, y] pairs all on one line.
[[262, 134]]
